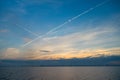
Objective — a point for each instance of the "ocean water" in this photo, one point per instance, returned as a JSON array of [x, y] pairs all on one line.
[[59, 73]]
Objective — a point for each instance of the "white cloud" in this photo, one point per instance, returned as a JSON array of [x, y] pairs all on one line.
[[88, 45], [68, 41], [76, 54], [78, 44], [11, 53]]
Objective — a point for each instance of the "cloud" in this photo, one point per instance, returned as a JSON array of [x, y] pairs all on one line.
[[69, 40], [12, 14], [88, 43], [26, 39], [32, 54], [46, 51], [11, 53], [42, 2], [75, 45], [4, 31], [79, 54], [66, 22]]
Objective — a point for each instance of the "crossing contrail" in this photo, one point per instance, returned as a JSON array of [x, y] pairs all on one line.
[[29, 31], [66, 22]]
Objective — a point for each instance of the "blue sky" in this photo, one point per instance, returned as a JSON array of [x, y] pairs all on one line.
[[94, 33]]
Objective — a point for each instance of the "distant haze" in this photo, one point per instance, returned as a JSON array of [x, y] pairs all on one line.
[[99, 61]]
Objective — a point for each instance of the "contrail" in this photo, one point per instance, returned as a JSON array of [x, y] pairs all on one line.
[[66, 22], [28, 31]]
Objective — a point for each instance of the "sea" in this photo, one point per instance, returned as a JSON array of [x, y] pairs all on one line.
[[60, 73]]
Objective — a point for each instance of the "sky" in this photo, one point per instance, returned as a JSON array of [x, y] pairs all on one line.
[[55, 29]]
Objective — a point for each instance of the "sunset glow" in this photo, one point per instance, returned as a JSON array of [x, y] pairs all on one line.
[[47, 29]]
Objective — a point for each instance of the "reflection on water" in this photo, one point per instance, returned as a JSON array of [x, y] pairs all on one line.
[[59, 73]]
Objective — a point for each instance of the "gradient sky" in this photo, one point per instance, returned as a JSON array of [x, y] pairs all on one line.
[[69, 29]]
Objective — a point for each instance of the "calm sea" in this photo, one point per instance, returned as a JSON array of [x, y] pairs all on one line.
[[59, 73]]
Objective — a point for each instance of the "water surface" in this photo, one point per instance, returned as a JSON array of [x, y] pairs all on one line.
[[59, 73]]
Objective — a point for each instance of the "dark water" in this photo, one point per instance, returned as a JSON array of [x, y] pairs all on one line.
[[59, 73]]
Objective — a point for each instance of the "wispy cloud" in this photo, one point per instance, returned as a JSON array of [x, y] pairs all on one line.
[[26, 39], [76, 54], [75, 45], [4, 30], [14, 53], [51, 2], [66, 22], [91, 42]]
